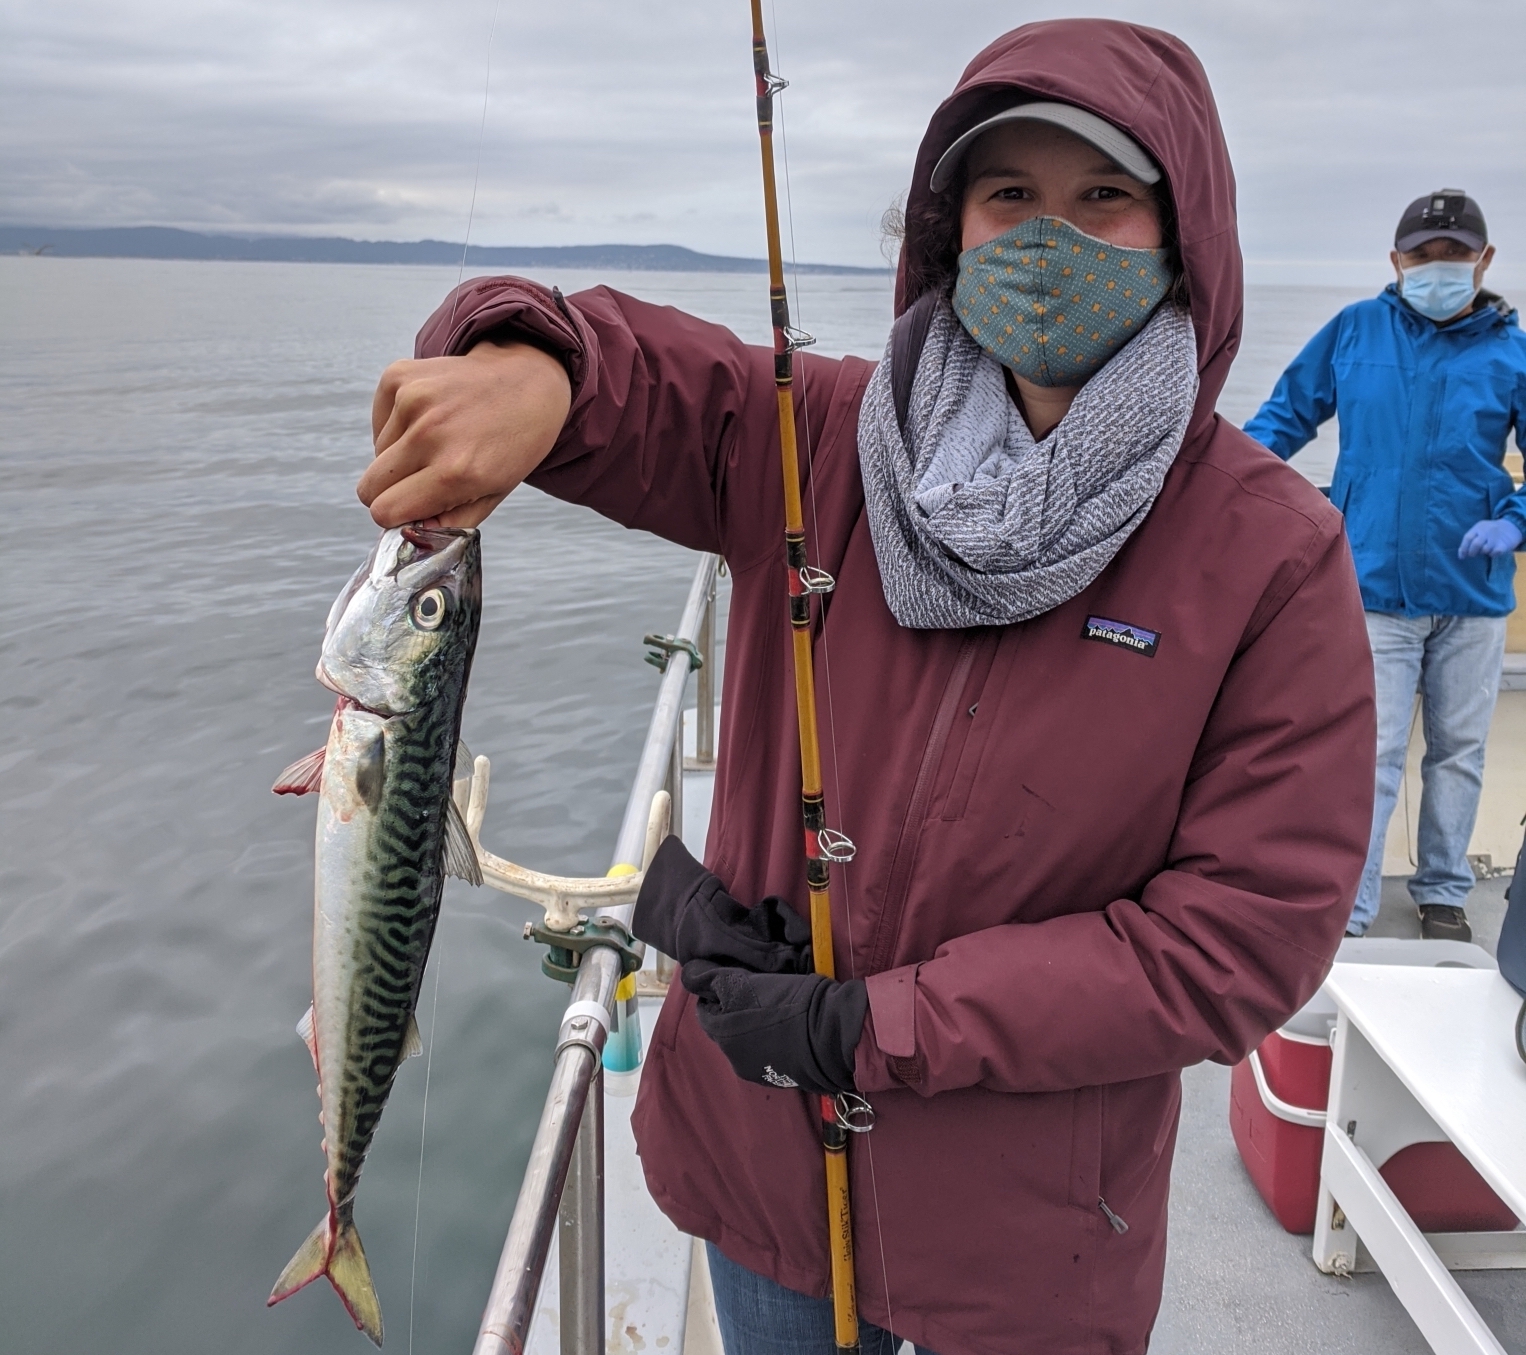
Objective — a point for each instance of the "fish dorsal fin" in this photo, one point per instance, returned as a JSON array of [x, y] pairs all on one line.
[[304, 776], [460, 855], [413, 1042], [306, 1033]]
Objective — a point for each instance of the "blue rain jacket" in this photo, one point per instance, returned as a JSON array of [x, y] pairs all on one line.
[[1424, 415]]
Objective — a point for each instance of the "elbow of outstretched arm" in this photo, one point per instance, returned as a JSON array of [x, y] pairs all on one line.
[[1283, 429]]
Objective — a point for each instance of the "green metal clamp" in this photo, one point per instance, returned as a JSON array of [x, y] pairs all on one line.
[[565, 950], [665, 646]]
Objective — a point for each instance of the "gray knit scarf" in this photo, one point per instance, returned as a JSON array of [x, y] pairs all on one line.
[[976, 524]]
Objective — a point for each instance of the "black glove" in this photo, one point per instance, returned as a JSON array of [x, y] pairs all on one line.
[[683, 911], [782, 1030]]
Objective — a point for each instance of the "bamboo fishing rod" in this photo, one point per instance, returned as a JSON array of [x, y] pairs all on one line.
[[822, 845]]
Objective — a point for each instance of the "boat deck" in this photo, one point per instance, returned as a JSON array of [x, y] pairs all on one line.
[[1236, 1282]]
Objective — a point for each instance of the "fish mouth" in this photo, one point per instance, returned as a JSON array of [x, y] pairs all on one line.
[[346, 701]]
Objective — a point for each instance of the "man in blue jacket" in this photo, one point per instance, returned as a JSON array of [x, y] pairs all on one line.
[[1429, 379]]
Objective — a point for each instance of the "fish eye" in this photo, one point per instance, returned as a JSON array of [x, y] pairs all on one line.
[[428, 609]]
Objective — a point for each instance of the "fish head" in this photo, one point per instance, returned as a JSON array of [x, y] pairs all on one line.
[[405, 626]]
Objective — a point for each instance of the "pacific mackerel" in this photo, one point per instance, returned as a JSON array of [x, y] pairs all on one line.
[[397, 651]]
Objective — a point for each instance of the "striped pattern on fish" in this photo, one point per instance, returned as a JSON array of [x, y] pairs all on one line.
[[398, 650]]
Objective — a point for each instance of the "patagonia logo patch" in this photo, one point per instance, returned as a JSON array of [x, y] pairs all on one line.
[[1122, 634]]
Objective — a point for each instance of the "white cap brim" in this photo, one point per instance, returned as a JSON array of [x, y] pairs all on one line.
[[1117, 145]]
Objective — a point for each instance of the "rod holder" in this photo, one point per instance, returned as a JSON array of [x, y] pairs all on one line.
[[562, 896]]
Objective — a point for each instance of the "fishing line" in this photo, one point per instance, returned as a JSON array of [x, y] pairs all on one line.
[[471, 211], [418, 1199], [826, 653], [810, 466], [439, 952]]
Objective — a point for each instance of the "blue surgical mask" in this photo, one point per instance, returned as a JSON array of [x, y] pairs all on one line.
[[1439, 290], [1052, 303]]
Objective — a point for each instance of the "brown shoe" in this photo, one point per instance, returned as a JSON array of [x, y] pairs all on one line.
[[1443, 922]]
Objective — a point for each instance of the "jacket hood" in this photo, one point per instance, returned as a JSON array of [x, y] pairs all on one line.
[[1152, 86]]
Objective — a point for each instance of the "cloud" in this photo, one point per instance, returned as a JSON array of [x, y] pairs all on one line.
[[634, 122]]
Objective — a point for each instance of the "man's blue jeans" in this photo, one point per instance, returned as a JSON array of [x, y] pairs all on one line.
[[759, 1317], [1454, 662]]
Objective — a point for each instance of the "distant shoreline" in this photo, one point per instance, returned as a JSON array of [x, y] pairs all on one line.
[[163, 242]]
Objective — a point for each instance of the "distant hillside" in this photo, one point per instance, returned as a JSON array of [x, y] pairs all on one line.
[[161, 242]]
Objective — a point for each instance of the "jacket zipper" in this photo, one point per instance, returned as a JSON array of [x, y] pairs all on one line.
[[904, 856], [1119, 1226]]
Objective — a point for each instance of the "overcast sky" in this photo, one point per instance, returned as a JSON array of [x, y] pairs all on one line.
[[633, 122]]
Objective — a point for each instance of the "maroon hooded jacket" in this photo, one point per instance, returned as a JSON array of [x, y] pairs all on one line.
[[1081, 867]]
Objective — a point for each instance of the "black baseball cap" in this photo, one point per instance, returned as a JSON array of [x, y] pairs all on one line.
[[1446, 214]]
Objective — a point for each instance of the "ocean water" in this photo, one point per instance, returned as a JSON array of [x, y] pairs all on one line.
[[178, 448]]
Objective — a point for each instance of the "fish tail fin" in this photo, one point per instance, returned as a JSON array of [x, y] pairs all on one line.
[[350, 1275], [336, 1253], [311, 1261]]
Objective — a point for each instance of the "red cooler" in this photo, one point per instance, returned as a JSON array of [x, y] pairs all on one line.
[[1277, 1100]]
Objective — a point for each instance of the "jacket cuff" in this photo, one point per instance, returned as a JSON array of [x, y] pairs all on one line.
[[512, 308], [886, 1057], [1517, 519], [672, 879]]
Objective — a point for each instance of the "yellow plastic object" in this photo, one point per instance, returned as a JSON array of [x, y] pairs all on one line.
[[622, 1051]]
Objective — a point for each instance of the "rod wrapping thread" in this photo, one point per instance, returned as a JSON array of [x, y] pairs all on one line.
[[813, 808]]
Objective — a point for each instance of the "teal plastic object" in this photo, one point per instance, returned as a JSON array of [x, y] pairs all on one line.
[[622, 1051]]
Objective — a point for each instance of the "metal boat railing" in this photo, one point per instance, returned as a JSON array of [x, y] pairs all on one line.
[[563, 1186]]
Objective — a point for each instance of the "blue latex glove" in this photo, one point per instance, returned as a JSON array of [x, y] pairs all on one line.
[[1492, 536]]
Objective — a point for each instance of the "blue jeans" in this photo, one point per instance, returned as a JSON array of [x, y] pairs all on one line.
[[759, 1317], [1454, 662]]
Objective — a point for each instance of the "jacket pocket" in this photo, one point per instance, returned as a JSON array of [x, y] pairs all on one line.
[[1086, 1149], [1340, 491], [1138, 1122], [674, 1009], [988, 679], [908, 840]]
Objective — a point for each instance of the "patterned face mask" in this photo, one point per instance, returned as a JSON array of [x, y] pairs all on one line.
[[1053, 304]]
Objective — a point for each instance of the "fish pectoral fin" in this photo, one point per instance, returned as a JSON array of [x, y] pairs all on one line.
[[463, 759], [460, 856], [304, 776], [413, 1042], [371, 770], [307, 1034]]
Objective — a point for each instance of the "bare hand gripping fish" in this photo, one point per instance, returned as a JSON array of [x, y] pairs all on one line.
[[398, 651]]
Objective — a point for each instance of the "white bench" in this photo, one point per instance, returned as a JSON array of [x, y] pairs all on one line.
[[1422, 1055]]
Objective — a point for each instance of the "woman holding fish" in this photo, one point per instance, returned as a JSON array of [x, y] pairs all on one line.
[[1100, 715]]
